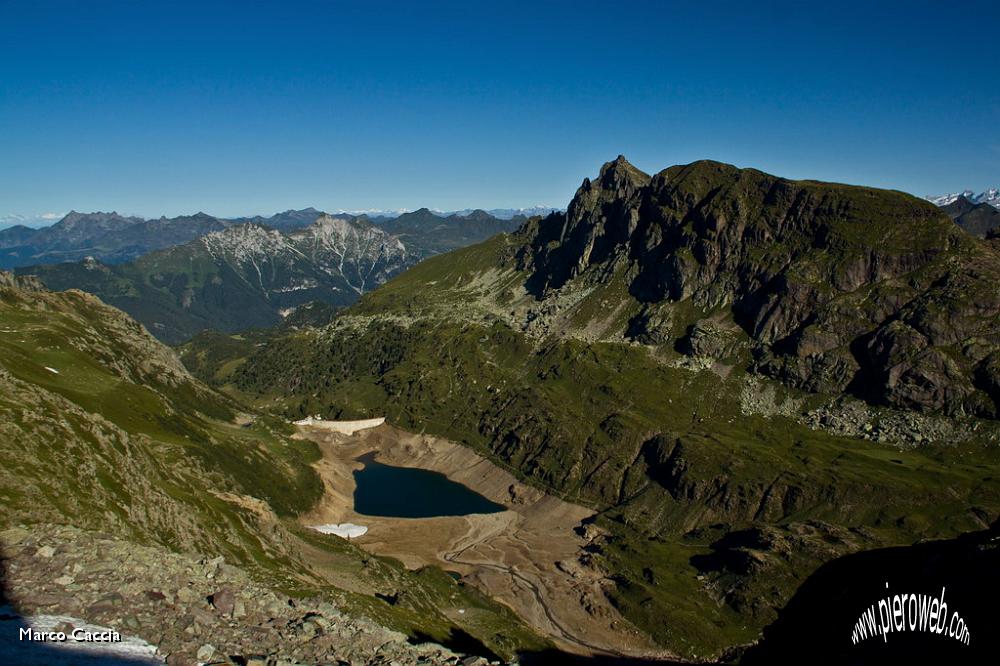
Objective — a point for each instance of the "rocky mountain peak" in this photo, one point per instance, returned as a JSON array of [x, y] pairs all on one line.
[[351, 235], [72, 217], [601, 216], [620, 173], [97, 219], [477, 215], [245, 241]]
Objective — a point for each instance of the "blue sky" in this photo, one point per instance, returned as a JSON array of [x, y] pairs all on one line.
[[242, 107]]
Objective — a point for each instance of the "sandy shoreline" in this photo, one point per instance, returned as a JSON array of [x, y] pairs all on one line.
[[527, 557]]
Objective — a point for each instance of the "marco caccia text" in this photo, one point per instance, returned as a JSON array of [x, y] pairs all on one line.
[[77, 635]]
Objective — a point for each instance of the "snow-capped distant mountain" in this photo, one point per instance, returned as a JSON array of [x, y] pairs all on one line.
[[990, 196], [945, 199]]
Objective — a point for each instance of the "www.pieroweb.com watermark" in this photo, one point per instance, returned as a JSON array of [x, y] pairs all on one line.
[[910, 612]]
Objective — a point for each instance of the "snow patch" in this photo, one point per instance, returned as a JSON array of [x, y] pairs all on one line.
[[344, 530], [52, 370]]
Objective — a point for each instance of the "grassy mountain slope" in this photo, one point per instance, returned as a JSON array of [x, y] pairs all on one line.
[[624, 354], [102, 428]]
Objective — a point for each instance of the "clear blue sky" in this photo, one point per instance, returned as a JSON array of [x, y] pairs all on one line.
[[244, 107]]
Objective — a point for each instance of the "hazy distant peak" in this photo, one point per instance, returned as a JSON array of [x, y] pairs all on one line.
[[74, 218]]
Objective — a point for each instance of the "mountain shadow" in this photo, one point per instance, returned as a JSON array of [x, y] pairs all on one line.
[[819, 625], [555, 657], [457, 641]]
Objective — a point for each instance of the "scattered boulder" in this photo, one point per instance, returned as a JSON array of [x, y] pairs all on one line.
[[206, 652], [224, 601], [713, 339]]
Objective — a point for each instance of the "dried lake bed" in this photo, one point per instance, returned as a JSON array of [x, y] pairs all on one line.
[[526, 553]]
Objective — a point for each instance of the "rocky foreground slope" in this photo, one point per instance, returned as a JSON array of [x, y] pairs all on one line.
[[195, 610], [746, 376]]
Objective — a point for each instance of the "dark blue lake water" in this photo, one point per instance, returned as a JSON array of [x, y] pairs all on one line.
[[405, 492]]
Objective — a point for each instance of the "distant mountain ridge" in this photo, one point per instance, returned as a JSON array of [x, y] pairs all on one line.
[[509, 213], [499, 213], [30, 221], [110, 237], [430, 233], [990, 196], [113, 238], [243, 276], [15, 235], [284, 221], [252, 275]]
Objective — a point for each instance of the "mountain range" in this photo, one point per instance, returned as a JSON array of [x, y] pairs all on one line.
[[250, 275], [745, 376], [109, 237], [286, 221], [244, 276], [112, 238], [509, 213], [990, 196]]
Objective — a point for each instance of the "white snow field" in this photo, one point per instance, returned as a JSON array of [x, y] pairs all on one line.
[[345, 530]]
